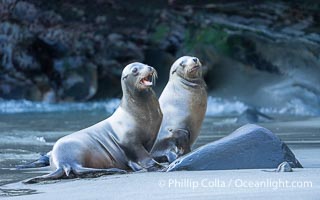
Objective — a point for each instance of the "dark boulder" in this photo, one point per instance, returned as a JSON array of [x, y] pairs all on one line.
[[249, 147]]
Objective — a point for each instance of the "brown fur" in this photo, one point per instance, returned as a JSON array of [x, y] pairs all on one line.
[[183, 103]]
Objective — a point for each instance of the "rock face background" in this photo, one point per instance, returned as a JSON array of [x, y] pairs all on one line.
[[264, 53]]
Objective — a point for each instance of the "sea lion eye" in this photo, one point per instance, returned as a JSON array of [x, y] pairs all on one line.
[[123, 78], [134, 70], [182, 64]]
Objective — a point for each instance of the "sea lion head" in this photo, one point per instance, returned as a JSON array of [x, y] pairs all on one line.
[[138, 77], [187, 67]]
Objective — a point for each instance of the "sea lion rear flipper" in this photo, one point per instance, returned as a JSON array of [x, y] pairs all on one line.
[[81, 172], [52, 176], [85, 172], [43, 161]]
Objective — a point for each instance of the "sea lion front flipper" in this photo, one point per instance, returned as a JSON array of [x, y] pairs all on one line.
[[171, 156], [181, 144], [182, 137], [135, 166], [144, 160], [176, 144]]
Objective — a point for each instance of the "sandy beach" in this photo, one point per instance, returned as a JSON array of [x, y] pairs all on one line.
[[207, 68], [221, 184]]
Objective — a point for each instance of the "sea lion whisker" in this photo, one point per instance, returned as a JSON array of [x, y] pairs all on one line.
[[154, 77], [185, 75]]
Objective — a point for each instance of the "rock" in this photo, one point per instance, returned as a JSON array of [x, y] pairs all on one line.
[[109, 73], [58, 41], [249, 147], [49, 97], [79, 87], [20, 90], [101, 19], [78, 78], [275, 45], [25, 11], [25, 62], [50, 18], [252, 115], [161, 61], [122, 50], [114, 37]]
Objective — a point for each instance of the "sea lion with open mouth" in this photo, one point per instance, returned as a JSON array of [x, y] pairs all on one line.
[[121, 142]]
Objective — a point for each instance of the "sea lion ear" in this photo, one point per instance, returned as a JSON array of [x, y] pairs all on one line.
[[174, 69]]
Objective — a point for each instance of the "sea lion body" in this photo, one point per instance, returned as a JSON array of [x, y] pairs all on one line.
[[183, 103], [120, 142]]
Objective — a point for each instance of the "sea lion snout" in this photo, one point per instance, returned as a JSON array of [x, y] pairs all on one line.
[[139, 75], [195, 60], [148, 76]]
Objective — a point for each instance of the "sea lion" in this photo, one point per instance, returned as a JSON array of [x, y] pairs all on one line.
[[183, 103], [249, 147], [120, 142], [284, 167]]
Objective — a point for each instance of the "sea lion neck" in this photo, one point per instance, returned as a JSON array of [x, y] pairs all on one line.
[[190, 82], [132, 99]]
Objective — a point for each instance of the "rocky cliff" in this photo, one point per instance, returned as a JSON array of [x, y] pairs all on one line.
[[264, 53]]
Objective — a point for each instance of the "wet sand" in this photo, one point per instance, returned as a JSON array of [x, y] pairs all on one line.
[[24, 135], [221, 184]]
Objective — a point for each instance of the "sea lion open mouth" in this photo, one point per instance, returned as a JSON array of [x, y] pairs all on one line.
[[147, 80]]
